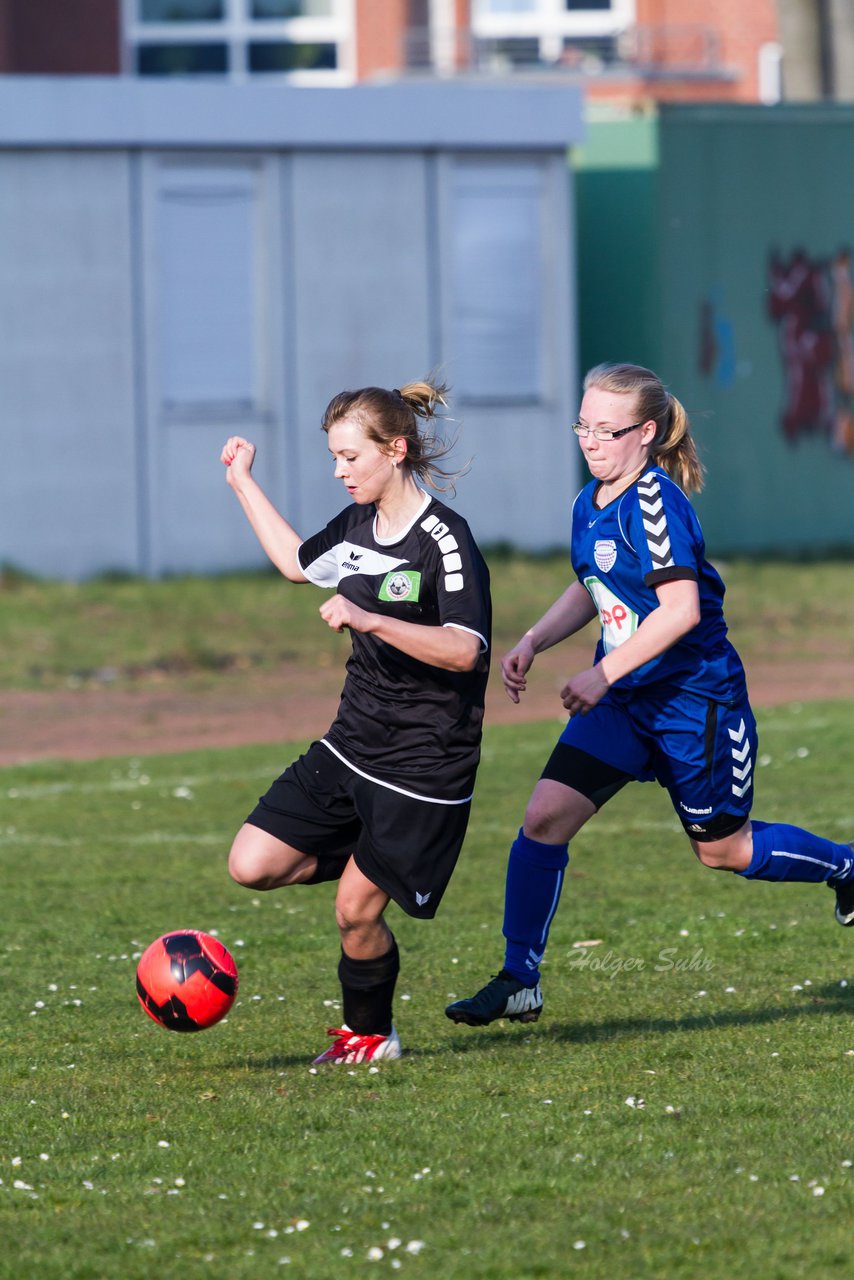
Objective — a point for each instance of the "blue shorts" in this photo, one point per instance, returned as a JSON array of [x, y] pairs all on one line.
[[701, 751]]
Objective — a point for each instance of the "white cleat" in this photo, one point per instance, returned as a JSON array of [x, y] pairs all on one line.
[[350, 1047]]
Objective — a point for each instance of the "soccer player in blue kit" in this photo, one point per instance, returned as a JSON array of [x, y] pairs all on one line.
[[666, 697], [381, 803]]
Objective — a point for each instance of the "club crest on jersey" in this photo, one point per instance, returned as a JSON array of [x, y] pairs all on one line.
[[400, 585], [605, 553]]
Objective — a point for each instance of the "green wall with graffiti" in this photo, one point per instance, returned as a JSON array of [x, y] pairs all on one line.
[[616, 175], [715, 248]]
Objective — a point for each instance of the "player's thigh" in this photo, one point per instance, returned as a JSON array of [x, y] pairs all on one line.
[[308, 809], [262, 860], [705, 758], [594, 758], [608, 734]]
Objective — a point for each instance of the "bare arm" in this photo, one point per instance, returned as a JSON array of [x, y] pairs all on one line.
[[569, 613], [678, 613], [277, 537], [450, 648]]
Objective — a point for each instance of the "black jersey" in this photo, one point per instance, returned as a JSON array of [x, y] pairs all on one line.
[[402, 722]]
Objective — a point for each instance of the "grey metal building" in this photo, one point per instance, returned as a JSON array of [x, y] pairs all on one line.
[[180, 262]]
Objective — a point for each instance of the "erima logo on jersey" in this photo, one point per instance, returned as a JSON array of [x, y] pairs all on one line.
[[605, 553], [421, 898], [348, 558]]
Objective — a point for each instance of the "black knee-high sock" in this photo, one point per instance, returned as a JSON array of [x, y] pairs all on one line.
[[368, 989]]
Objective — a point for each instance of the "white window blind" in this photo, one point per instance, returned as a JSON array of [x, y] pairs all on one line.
[[207, 290], [497, 283]]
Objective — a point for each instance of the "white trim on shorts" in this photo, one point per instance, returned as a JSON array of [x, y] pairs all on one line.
[[389, 785]]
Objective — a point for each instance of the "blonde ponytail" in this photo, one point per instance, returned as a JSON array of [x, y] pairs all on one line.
[[674, 447]]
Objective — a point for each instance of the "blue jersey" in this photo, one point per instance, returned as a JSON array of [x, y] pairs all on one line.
[[648, 535]]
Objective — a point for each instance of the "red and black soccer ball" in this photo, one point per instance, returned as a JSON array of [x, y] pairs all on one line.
[[186, 981]]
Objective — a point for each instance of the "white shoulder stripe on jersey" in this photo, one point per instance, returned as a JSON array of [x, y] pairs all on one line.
[[345, 559]]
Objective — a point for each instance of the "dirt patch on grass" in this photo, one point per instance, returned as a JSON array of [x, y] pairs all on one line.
[[299, 704]]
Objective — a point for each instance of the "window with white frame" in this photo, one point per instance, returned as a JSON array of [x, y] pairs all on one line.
[[571, 33], [297, 40]]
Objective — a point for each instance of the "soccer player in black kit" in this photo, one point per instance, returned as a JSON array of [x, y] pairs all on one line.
[[381, 802]]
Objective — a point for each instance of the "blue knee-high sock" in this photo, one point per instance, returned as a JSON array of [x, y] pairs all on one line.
[[781, 852], [534, 880]]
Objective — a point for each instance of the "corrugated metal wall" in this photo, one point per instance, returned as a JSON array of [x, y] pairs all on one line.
[[156, 298]]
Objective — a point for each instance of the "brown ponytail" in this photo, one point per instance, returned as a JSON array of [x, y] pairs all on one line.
[[385, 416]]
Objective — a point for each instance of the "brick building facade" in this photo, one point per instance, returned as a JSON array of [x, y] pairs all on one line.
[[60, 37], [630, 52]]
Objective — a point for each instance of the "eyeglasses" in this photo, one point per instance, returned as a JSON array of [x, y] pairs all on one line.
[[603, 433]]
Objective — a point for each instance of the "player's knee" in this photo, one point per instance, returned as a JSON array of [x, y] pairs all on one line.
[[556, 812], [541, 816], [244, 869], [539, 824], [709, 857], [350, 918], [722, 855], [356, 914], [248, 863]]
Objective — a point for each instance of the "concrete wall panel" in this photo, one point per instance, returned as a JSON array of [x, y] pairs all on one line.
[[70, 490]]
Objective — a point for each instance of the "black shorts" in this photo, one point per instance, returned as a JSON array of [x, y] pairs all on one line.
[[406, 846]]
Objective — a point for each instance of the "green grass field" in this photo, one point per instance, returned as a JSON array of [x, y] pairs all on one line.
[[199, 632], [683, 1108]]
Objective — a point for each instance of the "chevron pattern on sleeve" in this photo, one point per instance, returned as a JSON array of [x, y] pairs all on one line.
[[654, 521]]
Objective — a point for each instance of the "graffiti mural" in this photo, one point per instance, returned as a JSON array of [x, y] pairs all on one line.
[[717, 341], [811, 302]]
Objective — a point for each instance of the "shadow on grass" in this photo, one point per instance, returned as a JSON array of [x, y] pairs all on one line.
[[822, 1001]]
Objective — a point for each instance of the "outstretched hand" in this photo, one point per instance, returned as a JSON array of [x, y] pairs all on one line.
[[238, 455], [580, 694]]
